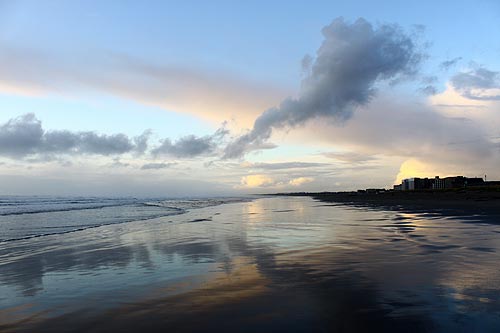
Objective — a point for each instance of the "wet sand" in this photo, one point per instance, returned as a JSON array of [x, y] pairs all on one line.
[[276, 264], [300, 303]]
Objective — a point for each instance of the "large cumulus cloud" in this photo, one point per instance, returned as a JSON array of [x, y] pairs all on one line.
[[352, 59]]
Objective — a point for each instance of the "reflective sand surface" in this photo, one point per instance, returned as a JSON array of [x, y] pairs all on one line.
[[273, 264]]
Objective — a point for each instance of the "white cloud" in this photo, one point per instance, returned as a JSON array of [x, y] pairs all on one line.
[[300, 181], [253, 181]]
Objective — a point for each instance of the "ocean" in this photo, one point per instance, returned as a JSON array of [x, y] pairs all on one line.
[[240, 264], [24, 217]]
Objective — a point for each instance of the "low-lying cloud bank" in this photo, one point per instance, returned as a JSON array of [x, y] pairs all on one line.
[[352, 59], [24, 136]]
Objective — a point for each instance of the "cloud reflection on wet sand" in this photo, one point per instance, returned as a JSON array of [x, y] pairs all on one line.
[[291, 265]]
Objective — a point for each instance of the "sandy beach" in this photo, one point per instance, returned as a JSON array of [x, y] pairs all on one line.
[[272, 264]]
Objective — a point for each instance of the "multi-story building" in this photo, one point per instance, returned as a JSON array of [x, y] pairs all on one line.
[[437, 183]]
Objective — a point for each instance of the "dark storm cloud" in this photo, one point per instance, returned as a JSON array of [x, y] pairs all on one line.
[[447, 64], [156, 166], [191, 145], [348, 64], [477, 84]]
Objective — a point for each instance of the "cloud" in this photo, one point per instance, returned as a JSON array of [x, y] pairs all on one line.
[[429, 79], [20, 136], [257, 181], [349, 157], [306, 63], [141, 141], [188, 146], [93, 182], [395, 129], [263, 181], [156, 166], [415, 167], [352, 59], [447, 64], [461, 106], [451, 98], [282, 165], [429, 90], [478, 84], [213, 95], [24, 137], [118, 164], [428, 87], [191, 145], [388, 127], [300, 181]]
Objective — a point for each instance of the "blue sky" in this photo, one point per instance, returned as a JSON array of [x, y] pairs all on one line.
[[189, 68]]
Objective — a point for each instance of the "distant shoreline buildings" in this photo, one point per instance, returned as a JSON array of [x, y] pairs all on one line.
[[437, 183]]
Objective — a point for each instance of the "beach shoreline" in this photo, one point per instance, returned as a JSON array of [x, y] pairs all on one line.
[[484, 201]]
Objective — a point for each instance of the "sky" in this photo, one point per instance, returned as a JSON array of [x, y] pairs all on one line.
[[190, 98]]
